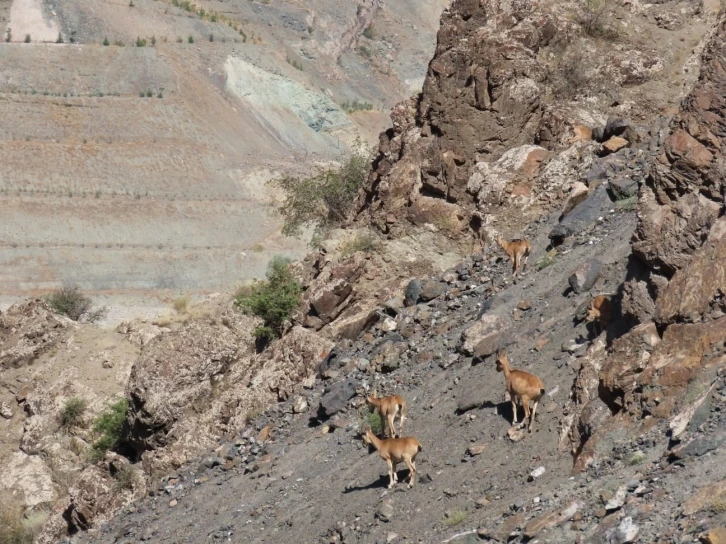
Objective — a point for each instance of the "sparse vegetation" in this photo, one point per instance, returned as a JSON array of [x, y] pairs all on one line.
[[119, 43], [363, 50], [109, 425], [8, 35], [106, 42], [191, 39], [153, 40], [181, 305], [548, 260], [179, 39], [125, 477], [362, 242], [454, 518], [368, 32], [355, 105], [140, 42], [636, 458], [15, 528], [72, 412], [59, 39], [294, 63], [323, 200], [272, 300], [211, 37], [572, 77], [627, 204], [27, 38], [149, 93], [69, 301], [595, 17]]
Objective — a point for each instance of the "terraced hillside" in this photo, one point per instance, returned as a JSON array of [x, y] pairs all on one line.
[[136, 137]]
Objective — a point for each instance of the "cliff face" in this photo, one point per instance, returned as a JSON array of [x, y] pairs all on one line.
[[507, 87]]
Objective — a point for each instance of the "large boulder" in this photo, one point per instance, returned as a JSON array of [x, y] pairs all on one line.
[[585, 275], [28, 330], [584, 215], [483, 338], [335, 398]]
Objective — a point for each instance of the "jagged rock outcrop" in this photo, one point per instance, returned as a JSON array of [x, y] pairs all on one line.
[[659, 367], [26, 331], [193, 384]]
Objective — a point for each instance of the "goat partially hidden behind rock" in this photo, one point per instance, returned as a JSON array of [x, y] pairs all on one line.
[[389, 408], [517, 250], [394, 451], [599, 313], [523, 386]]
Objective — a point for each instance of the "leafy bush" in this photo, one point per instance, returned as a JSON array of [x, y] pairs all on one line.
[[375, 422], [109, 425], [548, 260], [191, 39], [106, 42], [69, 301], [27, 38], [272, 300], [355, 105], [294, 63], [140, 42], [323, 200], [454, 518], [72, 412], [368, 32]]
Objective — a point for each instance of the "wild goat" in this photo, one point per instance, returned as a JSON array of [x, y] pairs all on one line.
[[523, 386], [516, 250], [599, 313], [389, 408], [394, 451]]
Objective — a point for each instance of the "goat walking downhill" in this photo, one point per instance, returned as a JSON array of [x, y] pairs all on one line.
[[599, 313], [394, 451], [523, 386], [516, 250], [390, 407]]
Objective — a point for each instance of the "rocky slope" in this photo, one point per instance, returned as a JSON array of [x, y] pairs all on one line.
[[628, 441]]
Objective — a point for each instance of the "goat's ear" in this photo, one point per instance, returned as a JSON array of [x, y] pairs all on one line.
[[501, 352]]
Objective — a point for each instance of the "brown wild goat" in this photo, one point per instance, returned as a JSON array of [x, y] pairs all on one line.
[[389, 408], [523, 386], [394, 451], [516, 250], [599, 313]]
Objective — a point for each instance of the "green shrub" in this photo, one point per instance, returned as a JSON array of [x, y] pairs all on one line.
[[323, 200], [27, 38], [355, 105], [106, 42], [109, 425], [140, 42], [69, 301], [191, 39], [272, 300], [375, 422], [59, 39], [548, 260], [594, 19], [181, 305], [454, 518], [368, 32], [72, 412]]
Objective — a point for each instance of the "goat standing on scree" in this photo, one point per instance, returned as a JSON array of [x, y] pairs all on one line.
[[389, 408], [516, 250], [393, 451], [600, 313], [523, 386]]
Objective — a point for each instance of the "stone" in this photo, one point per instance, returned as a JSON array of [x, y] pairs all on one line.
[[524, 305], [551, 519], [626, 531], [578, 193], [476, 449], [585, 275], [413, 291], [264, 434], [582, 216], [536, 473], [623, 188], [697, 447], [618, 499], [5, 410], [300, 405], [482, 338], [431, 289], [540, 343], [614, 144], [389, 325], [615, 126], [173, 502], [384, 512], [335, 398], [511, 524]]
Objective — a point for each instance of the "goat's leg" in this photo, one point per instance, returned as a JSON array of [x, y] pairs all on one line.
[[411, 470], [514, 411], [403, 418], [534, 411], [524, 265], [391, 473], [525, 403], [391, 427]]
